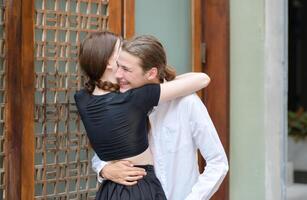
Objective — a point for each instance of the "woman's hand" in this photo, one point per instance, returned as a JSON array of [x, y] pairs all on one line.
[[183, 85]]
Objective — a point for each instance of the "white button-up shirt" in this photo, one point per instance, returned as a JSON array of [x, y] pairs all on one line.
[[178, 128]]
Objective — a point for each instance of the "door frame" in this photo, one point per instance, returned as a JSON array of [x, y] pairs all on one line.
[[19, 122], [276, 98]]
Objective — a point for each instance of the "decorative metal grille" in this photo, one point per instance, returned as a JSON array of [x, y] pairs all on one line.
[[62, 152], [2, 97]]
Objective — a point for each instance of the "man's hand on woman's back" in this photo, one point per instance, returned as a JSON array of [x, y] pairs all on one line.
[[122, 172]]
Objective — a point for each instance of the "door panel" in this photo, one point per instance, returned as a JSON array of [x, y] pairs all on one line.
[[215, 34], [62, 151], [210, 54], [47, 154]]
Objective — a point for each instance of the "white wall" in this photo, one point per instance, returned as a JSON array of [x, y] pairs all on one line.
[[258, 97]]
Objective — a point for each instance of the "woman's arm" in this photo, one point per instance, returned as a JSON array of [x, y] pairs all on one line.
[[183, 85]]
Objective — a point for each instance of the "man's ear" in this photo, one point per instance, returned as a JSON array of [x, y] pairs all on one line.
[[152, 74]]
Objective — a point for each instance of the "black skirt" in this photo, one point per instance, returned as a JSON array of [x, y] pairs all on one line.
[[148, 188]]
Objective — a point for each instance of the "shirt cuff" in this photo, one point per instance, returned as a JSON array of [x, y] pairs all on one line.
[[100, 166]]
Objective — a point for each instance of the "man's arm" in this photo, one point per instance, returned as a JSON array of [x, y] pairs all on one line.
[[97, 166], [207, 140], [122, 171]]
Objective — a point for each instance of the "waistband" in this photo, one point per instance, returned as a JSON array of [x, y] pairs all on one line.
[[146, 167]]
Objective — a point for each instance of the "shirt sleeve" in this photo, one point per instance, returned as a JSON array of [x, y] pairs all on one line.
[[207, 140], [147, 96], [97, 166]]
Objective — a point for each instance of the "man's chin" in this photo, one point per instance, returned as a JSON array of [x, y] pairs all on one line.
[[124, 88]]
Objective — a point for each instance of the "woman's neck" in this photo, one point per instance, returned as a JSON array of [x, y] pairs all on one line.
[[98, 91], [108, 76]]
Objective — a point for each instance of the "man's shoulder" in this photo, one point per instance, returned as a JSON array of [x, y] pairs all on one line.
[[182, 101], [188, 99]]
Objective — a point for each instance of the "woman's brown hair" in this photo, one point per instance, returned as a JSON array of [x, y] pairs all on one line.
[[152, 54], [94, 54]]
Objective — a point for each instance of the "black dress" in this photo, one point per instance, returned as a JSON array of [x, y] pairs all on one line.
[[117, 129], [148, 188]]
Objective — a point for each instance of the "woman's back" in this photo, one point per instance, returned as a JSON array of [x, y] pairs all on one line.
[[116, 122]]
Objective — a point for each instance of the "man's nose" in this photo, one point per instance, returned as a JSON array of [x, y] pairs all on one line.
[[118, 73]]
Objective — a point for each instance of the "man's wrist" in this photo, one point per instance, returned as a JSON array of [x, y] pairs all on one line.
[[101, 174]]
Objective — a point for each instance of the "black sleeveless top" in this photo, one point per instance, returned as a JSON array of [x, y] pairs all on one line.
[[116, 122]]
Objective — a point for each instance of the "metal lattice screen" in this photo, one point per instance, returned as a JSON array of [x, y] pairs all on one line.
[[62, 152], [2, 97]]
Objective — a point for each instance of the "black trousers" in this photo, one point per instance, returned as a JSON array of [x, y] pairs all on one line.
[[148, 188]]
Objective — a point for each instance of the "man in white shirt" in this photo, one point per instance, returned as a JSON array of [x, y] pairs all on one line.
[[178, 128]]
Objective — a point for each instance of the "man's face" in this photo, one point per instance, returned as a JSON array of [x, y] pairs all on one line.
[[129, 73]]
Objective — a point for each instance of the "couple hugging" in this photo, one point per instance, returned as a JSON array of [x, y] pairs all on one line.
[[145, 124]]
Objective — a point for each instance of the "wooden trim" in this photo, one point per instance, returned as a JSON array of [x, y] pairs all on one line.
[[19, 145], [115, 17], [196, 55], [196, 35], [13, 110], [215, 33], [129, 18], [123, 22], [28, 101], [196, 48]]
